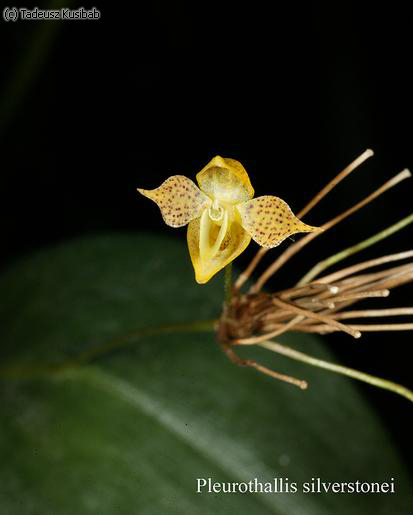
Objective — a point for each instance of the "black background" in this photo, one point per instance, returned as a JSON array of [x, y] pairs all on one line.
[[92, 109]]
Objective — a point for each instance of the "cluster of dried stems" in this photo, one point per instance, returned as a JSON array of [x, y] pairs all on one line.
[[317, 304]]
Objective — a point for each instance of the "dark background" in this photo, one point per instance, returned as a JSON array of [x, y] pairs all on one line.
[[92, 109]]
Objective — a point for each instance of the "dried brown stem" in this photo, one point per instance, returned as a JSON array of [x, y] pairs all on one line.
[[317, 316], [323, 329], [344, 272], [308, 289], [264, 370], [338, 178], [263, 337], [391, 281], [276, 375], [359, 295], [374, 313]]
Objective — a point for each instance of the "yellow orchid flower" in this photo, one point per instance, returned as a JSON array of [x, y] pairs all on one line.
[[222, 216]]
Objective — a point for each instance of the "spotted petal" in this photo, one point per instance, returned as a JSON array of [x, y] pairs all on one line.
[[226, 180], [213, 246], [179, 199], [269, 220]]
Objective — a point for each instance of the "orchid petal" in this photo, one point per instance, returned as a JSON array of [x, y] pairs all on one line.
[[179, 199], [213, 246], [225, 180], [269, 220]]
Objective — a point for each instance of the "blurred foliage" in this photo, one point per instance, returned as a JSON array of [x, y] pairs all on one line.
[[130, 432]]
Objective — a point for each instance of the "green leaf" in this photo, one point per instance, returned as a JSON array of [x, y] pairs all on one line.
[[130, 432]]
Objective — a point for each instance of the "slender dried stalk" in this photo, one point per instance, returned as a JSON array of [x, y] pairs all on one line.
[[324, 329], [307, 289], [276, 375], [338, 178], [264, 370], [375, 313], [364, 265], [317, 316], [281, 328]]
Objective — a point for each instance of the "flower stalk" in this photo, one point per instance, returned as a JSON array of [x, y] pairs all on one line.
[[228, 284]]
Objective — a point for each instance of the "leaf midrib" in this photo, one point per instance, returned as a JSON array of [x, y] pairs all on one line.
[[114, 385]]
